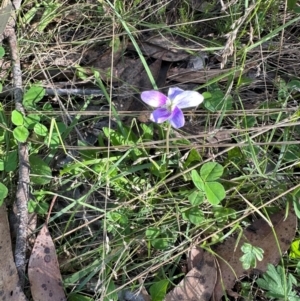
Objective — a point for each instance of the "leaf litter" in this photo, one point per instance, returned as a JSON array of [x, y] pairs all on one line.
[[199, 283], [211, 276], [43, 269], [258, 234], [9, 280]]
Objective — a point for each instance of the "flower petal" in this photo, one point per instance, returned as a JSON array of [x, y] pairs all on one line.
[[187, 99], [173, 92], [154, 98], [177, 118], [160, 115]]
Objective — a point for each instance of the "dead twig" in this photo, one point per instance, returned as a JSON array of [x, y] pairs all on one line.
[[22, 195]]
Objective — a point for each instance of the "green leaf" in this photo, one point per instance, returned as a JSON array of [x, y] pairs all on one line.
[[295, 249], [17, 118], [40, 129], [196, 198], [40, 172], [158, 290], [211, 171], [215, 192], [2, 52], [40, 207], [195, 216], [223, 214], [152, 233], [33, 96], [11, 161], [79, 297], [1, 87], [198, 182], [160, 239], [193, 156], [20, 133], [251, 254], [291, 4], [278, 284], [147, 131], [111, 294], [30, 120], [3, 192]]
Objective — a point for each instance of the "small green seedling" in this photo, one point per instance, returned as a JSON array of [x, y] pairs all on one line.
[[277, 284], [251, 255], [206, 182]]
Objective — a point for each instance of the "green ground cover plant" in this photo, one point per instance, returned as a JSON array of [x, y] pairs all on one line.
[[135, 192]]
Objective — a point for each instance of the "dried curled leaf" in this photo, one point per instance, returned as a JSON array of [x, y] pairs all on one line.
[[43, 270], [199, 282], [9, 279]]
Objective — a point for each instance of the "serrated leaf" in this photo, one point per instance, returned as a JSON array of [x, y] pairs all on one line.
[[251, 254], [273, 240], [277, 283], [158, 290], [40, 172], [20, 133], [211, 171], [17, 118], [198, 182], [215, 192]]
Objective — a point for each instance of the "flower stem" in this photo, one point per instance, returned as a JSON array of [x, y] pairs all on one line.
[[168, 139]]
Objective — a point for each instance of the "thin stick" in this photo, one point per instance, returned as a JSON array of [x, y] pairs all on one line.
[[23, 184]]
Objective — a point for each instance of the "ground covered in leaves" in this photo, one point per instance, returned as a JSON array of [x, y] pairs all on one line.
[[112, 206]]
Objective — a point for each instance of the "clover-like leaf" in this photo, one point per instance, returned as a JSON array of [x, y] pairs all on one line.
[[198, 182], [196, 198], [215, 192], [211, 171]]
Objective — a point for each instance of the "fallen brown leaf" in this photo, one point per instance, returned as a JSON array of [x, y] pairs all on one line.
[[258, 234], [199, 282], [43, 270], [159, 52], [9, 279]]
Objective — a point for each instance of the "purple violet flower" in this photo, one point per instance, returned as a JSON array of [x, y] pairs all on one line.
[[169, 108]]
